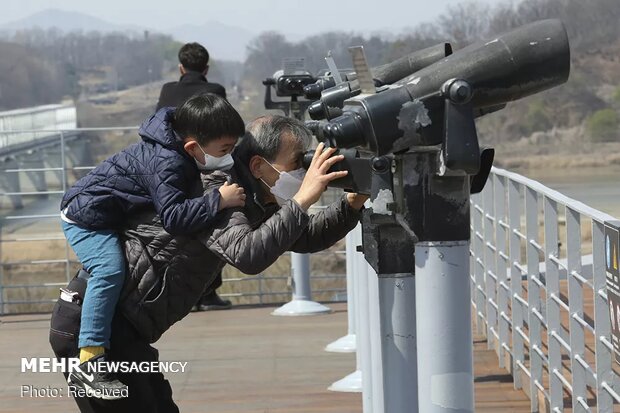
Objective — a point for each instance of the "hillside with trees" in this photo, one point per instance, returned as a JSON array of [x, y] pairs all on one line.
[[43, 66], [583, 114]]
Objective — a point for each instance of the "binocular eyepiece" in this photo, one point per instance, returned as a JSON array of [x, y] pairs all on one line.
[[290, 84]]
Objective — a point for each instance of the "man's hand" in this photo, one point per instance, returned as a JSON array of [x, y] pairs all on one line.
[[231, 195], [317, 178], [356, 201]]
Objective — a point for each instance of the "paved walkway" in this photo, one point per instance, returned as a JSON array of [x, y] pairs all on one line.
[[240, 361]]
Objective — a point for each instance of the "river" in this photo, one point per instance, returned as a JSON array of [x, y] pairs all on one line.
[[595, 187]]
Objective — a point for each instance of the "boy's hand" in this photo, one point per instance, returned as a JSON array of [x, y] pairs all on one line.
[[231, 195]]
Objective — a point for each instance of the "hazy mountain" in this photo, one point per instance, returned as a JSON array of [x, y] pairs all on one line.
[[66, 21], [223, 41]]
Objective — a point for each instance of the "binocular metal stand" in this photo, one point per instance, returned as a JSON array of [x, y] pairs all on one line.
[[301, 303]]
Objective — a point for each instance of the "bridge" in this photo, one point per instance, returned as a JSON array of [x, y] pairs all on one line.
[[539, 301], [37, 141]]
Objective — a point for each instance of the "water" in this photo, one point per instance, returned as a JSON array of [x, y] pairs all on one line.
[[595, 187]]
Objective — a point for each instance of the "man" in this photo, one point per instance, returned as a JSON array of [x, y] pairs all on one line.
[[166, 273], [194, 66]]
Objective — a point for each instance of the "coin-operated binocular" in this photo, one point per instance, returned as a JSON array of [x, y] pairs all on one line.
[[331, 91], [417, 136], [289, 83], [413, 146]]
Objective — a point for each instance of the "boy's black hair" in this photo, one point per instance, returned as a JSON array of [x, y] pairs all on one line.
[[206, 117], [194, 57]]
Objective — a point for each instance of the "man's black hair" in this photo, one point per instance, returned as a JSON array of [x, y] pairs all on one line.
[[194, 57], [206, 117]]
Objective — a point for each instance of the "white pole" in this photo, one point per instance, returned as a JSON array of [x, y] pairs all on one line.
[[353, 382], [445, 347], [364, 338], [376, 333], [398, 342], [346, 344], [301, 303]]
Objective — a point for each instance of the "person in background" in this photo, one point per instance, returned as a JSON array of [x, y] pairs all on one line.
[[194, 66]]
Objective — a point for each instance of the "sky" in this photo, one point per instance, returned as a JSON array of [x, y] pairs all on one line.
[[288, 16]]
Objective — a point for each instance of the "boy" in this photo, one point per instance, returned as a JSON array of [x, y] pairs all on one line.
[[158, 172]]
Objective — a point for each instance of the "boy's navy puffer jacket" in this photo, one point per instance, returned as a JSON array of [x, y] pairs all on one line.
[[156, 172]]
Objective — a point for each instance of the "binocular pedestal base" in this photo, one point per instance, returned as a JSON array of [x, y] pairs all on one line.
[[301, 307], [344, 344], [350, 384]]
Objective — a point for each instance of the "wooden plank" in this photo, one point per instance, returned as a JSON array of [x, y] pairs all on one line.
[[242, 360]]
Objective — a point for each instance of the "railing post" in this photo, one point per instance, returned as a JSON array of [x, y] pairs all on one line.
[[514, 220], [12, 182], [554, 326], [346, 344], [1, 270], [604, 356], [575, 302], [503, 289], [489, 264], [535, 312], [478, 264], [63, 174]]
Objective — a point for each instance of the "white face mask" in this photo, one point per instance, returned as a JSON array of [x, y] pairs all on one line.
[[223, 163], [287, 185]]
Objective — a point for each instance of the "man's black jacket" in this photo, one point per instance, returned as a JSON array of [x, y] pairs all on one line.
[[191, 83], [167, 274]]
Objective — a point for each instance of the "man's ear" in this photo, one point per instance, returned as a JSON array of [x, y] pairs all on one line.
[[204, 72], [182, 69], [256, 163]]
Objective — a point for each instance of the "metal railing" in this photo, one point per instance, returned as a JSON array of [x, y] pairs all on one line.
[[544, 315], [35, 123], [39, 285]]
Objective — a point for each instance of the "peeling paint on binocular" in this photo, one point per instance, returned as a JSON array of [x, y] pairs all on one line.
[[409, 111]]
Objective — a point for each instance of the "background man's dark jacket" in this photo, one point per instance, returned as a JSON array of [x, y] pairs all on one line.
[[167, 274], [190, 84]]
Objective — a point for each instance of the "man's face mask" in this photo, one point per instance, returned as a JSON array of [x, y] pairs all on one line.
[[287, 184], [223, 163]]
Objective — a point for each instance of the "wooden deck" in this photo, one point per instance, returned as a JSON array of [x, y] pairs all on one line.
[[242, 360]]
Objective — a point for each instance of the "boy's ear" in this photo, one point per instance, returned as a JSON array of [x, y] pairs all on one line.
[[190, 146], [255, 166], [182, 69], [204, 72]]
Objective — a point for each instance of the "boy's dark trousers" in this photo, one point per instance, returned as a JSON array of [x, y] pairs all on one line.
[[148, 392]]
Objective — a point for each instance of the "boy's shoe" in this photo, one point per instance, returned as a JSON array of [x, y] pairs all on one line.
[[213, 302], [101, 385]]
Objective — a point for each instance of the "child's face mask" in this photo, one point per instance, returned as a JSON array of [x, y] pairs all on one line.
[[287, 184], [223, 163]]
